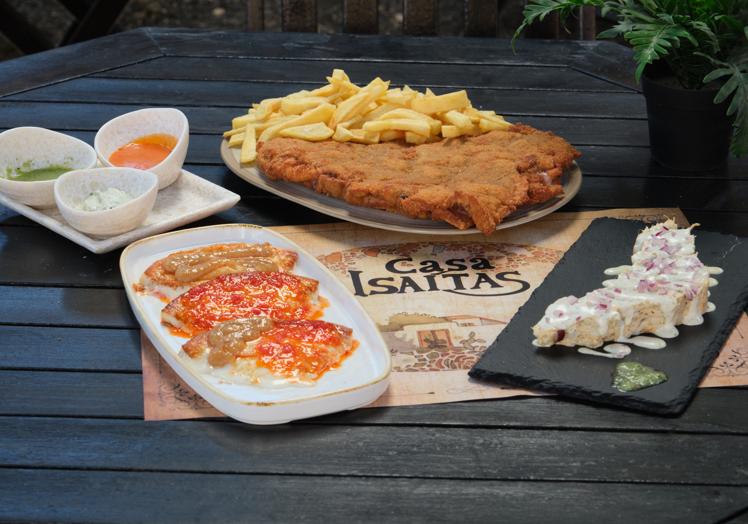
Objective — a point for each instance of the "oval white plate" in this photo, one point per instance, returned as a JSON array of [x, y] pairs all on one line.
[[360, 380], [572, 181]]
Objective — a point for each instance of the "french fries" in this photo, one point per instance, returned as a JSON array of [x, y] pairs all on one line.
[[345, 112]]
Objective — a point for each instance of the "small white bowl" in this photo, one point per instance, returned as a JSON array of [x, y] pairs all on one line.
[[31, 148], [126, 128], [72, 188]]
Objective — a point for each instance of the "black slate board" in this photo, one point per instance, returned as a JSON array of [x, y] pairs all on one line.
[[608, 242]]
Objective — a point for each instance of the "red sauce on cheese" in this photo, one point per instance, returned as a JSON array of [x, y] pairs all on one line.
[[303, 347], [280, 296]]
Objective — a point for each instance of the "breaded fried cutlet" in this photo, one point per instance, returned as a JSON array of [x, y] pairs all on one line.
[[466, 181]]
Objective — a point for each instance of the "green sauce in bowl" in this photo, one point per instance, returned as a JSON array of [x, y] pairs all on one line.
[[37, 175]]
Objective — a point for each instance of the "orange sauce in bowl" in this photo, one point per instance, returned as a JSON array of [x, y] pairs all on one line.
[[144, 152]]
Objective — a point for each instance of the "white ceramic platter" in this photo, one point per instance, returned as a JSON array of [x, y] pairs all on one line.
[[361, 378], [572, 181], [188, 199]]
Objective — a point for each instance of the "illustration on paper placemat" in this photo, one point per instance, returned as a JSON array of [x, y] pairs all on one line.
[[176, 393], [732, 362], [420, 342], [439, 305]]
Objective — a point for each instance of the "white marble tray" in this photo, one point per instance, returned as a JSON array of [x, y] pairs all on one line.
[[188, 199]]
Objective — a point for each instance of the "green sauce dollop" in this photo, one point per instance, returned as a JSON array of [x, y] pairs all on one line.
[[631, 376], [36, 175]]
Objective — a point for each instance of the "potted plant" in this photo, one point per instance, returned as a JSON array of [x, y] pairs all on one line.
[[692, 62]]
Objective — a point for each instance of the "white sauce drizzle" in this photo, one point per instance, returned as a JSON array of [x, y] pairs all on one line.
[[609, 351], [667, 332], [616, 270], [645, 342], [665, 273]]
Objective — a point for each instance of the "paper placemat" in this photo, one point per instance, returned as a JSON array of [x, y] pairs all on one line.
[[439, 302]]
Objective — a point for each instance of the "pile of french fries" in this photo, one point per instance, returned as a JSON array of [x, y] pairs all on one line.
[[345, 112]]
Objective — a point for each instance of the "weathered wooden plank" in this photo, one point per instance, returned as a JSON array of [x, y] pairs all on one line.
[[604, 59], [66, 393], [481, 17], [716, 195], [97, 21], [588, 21], [42, 306], [53, 258], [89, 349], [420, 17], [86, 496], [309, 449], [104, 394], [21, 32], [549, 28], [255, 15], [76, 60], [360, 16], [299, 15], [314, 71], [123, 92]]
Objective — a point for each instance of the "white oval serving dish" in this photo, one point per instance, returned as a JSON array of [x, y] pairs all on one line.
[[36, 148], [360, 380], [126, 128], [72, 188]]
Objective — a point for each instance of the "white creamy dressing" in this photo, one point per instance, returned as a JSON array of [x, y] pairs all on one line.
[[665, 272], [667, 332], [609, 351], [645, 342], [616, 270], [99, 200]]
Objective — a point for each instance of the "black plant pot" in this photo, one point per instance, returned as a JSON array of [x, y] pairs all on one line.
[[687, 131]]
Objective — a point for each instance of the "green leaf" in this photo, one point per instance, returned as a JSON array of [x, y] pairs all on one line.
[[654, 41], [726, 89], [622, 27], [717, 73], [537, 10], [736, 85]]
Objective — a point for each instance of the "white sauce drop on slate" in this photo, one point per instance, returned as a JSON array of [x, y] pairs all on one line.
[[609, 351], [645, 342], [616, 270], [667, 332]]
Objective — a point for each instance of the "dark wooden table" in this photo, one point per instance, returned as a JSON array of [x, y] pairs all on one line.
[[74, 447]]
